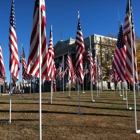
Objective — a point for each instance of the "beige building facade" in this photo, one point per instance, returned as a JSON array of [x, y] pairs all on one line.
[[93, 42]]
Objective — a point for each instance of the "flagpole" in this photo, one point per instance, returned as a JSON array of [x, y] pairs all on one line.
[[30, 85], [60, 85], [51, 89], [83, 88], [69, 89], [134, 92], [63, 70], [126, 98], [79, 89], [91, 85], [21, 71], [97, 77], [40, 107], [10, 99]]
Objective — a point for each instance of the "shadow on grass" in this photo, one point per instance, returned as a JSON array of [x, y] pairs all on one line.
[[66, 113], [4, 121]]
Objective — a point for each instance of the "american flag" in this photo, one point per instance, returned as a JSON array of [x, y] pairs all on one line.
[[70, 67], [113, 76], [54, 85], [50, 57], [64, 73], [92, 66], [129, 41], [99, 71], [53, 74], [119, 61], [33, 59], [2, 67], [14, 65], [25, 76], [59, 71], [74, 70], [80, 51]]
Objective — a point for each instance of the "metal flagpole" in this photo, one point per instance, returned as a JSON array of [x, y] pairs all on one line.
[[30, 85], [79, 89], [60, 84], [126, 95], [84, 77], [135, 112], [91, 85], [69, 89], [83, 88], [84, 80], [123, 95], [63, 70], [97, 77], [10, 98], [120, 89], [134, 92], [21, 73], [40, 107], [51, 91]]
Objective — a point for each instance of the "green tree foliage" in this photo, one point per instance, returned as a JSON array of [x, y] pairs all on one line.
[[105, 55]]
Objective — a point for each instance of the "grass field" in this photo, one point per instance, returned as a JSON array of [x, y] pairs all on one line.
[[106, 119]]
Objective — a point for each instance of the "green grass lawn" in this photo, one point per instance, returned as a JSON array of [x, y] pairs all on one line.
[[106, 119]]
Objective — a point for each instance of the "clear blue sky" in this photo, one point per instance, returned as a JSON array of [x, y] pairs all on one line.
[[97, 17]]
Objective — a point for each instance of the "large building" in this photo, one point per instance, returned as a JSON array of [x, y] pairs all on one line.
[[101, 46]]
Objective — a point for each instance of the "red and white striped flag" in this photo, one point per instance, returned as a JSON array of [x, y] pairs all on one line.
[[99, 71], [129, 41], [80, 51], [119, 61], [113, 76], [25, 76], [2, 67], [92, 66], [70, 68], [64, 73], [14, 65], [58, 71], [50, 57], [33, 59]]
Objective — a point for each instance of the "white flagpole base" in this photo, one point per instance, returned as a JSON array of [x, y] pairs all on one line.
[[83, 92], [124, 99], [50, 102], [130, 108], [80, 113], [137, 131], [92, 101], [120, 95]]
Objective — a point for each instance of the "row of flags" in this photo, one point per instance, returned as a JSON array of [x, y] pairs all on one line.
[[124, 61], [41, 60]]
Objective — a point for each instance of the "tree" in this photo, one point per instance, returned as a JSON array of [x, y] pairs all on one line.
[[137, 43], [105, 55], [107, 47]]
